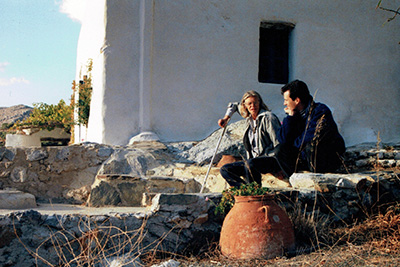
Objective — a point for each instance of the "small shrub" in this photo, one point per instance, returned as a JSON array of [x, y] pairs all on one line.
[[48, 117], [6, 126], [312, 230], [84, 88], [228, 195]]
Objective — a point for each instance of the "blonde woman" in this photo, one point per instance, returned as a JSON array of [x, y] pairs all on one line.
[[260, 139]]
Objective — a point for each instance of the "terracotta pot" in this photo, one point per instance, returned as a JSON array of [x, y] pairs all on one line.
[[256, 228]]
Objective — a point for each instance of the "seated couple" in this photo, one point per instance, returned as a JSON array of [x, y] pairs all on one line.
[[308, 138]]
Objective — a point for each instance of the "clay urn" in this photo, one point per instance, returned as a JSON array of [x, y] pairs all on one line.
[[256, 228]]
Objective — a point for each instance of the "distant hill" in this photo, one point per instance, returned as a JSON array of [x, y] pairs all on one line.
[[14, 113]]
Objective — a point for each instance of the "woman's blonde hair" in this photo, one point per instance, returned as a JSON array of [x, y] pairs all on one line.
[[243, 110]]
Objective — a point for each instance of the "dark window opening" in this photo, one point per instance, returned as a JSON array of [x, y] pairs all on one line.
[[274, 52], [54, 141]]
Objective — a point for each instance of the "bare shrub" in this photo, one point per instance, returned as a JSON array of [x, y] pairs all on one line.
[[93, 245]]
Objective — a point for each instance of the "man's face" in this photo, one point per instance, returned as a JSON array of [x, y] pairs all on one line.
[[290, 104]]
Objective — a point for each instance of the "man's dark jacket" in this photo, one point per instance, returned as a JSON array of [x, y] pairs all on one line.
[[315, 135]]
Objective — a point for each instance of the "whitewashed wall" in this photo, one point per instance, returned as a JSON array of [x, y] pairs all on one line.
[[171, 66]]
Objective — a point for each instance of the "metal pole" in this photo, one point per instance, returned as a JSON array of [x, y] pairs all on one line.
[[212, 159]]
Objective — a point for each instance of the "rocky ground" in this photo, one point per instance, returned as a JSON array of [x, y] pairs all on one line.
[[372, 242]]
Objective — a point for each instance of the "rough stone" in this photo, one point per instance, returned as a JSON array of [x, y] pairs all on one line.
[[169, 263], [125, 260], [174, 229], [104, 195], [33, 154], [128, 191], [19, 174], [180, 223], [62, 173], [2, 152], [105, 152], [10, 153], [135, 161], [231, 144], [343, 198], [319, 180], [16, 200], [51, 173]]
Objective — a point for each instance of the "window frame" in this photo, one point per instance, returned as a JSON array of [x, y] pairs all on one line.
[[274, 40]]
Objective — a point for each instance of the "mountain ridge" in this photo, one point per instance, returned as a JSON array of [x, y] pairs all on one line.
[[14, 113]]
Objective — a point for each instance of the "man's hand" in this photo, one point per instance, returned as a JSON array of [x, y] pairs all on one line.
[[289, 111]]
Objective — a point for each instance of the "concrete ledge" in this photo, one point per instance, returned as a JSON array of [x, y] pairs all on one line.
[[319, 181], [33, 137], [16, 200]]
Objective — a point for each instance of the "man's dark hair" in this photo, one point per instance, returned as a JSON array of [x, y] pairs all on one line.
[[297, 89]]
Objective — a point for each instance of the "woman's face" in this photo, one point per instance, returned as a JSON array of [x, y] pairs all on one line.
[[252, 105]]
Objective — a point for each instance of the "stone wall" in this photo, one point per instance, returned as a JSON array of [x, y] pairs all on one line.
[[186, 223], [52, 173], [176, 223], [369, 156], [68, 174]]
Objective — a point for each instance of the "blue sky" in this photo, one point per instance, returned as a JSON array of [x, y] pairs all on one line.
[[37, 52]]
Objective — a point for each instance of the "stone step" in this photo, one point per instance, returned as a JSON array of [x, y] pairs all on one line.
[[124, 190], [147, 199], [13, 199]]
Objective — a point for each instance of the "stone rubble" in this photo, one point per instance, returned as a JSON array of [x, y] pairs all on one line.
[[169, 177], [187, 223], [176, 223], [69, 174]]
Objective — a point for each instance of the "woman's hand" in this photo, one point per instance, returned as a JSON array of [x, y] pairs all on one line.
[[222, 122]]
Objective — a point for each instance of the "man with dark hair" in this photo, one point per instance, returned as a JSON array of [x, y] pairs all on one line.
[[297, 89], [309, 137]]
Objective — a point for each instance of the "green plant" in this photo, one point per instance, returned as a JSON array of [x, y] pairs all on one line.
[[228, 195], [48, 117], [84, 88], [6, 126]]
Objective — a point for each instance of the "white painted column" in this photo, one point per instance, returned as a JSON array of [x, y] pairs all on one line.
[[145, 73]]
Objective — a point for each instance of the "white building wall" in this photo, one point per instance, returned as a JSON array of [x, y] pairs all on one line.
[[90, 47], [174, 71]]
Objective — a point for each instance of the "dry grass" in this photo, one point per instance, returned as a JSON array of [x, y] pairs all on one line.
[[93, 244], [374, 242]]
